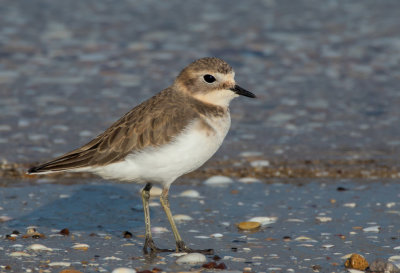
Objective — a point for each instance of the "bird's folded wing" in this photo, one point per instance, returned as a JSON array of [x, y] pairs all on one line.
[[153, 123]]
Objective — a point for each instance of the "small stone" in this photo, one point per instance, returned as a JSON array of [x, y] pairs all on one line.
[[31, 230], [221, 266], [216, 235], [123, 270], [192, 258], [248, 225], [210, 265], [356, 261], [127, 234], [287, 238], [218, 180], [350, 205], [83, 247], [380, 265], [64, 232], [190, 194], [70, 270], [316, 268]]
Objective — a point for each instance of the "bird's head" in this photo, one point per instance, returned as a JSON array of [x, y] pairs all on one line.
[[211, 80]]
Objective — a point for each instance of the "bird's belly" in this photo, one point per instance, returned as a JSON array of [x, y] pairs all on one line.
[[164, 164]]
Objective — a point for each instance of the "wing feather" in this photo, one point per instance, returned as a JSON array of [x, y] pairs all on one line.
[[152, 123]]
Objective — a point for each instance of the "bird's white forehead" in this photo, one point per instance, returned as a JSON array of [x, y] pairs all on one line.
[[225, 77]]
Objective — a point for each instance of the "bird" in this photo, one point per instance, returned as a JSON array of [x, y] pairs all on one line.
[[172, 133]]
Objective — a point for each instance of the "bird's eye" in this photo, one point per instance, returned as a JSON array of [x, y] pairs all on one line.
[[209, 78]]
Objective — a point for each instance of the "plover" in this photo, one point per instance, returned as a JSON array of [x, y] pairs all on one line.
[[171, 134]]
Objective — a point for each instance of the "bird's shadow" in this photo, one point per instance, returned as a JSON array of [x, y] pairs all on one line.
[[87, 208]]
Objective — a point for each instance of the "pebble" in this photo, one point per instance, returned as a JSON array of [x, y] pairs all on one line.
[[192, 258], [350, 205], [31, 230], [380, 265], [182, 217], [216, 235], [123, 270], [39, 247], [218, 180], [264, 220], [356, 261], [249, 180], [248, 225], [190, 193], [83, 247], [70, 270]]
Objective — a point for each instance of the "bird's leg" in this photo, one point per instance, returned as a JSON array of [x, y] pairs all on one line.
[[148, 242], [180, 244]]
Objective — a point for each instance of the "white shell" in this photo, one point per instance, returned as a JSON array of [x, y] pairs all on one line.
[[192, 258], [190, 193], [182, 217], [264, 220], [39, 247], [218, 180]]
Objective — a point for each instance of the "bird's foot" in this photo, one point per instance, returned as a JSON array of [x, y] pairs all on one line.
[[181, 247], [149, 244]]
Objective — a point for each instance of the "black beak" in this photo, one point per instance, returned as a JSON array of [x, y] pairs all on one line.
[[241, 91]]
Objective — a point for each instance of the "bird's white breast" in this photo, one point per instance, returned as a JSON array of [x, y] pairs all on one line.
[[187, 152]]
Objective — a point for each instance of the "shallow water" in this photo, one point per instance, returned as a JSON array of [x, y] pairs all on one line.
[[326, 79], [98, 213], [326, 116]]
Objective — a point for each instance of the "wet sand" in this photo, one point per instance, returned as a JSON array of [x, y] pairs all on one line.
[[322, 137], [318, 222]]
